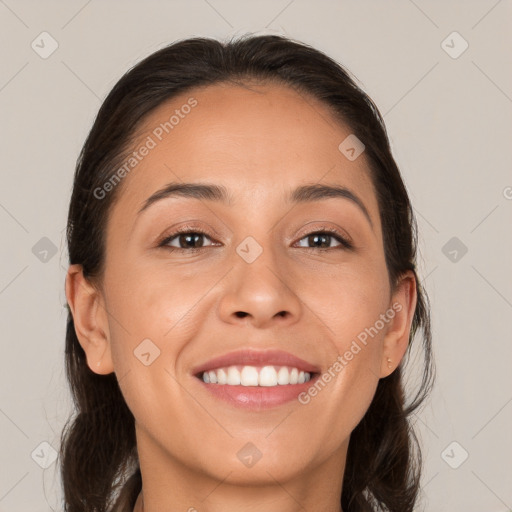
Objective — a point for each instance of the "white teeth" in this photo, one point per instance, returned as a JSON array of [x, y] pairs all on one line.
[[249, 376], [283, 376], [233, 376], [222, 378], [266, 376]]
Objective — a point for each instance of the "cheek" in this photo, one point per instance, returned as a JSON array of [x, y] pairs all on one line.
[[351, 305], [348, 300], [151, 319], [153, 315], [153, 301]]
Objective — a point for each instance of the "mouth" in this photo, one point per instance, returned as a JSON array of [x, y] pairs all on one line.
[[256, 380], [261, 376]]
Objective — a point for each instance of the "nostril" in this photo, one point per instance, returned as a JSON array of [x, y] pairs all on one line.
[[241, 314]]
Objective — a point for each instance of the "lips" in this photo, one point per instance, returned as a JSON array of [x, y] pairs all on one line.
[[249, 357]]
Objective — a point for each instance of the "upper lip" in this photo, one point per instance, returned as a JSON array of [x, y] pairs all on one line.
[[250, 357]]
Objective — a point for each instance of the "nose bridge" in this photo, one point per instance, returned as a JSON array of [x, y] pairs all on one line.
[[261, 262], [260, 286]]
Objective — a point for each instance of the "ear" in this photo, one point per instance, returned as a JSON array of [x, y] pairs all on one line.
[[396, 340], [91, 320]]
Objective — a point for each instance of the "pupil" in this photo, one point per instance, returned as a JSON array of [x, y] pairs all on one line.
[[188, 238], [314, 239], [185, 239]]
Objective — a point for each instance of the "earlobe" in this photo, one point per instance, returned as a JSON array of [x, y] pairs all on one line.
[[90, 319], [396, 339]]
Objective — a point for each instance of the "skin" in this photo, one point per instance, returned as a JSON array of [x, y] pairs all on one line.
[[259, 143]]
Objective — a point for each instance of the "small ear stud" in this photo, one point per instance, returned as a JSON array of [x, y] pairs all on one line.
[[389, 362]]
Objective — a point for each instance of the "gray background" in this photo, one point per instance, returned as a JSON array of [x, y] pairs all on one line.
[[449, 120]]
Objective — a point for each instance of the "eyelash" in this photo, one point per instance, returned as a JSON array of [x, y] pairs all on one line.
[[190, 230]]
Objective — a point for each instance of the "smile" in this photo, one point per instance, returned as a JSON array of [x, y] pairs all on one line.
[[255, 379], [264, 376]]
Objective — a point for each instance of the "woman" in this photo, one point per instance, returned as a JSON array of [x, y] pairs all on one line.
[[242, 291]]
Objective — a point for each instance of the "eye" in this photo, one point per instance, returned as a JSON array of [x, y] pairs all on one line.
[[322, 240], [185, 239], [192, 240]]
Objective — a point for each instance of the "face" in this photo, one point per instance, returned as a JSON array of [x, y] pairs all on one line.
[[280, 271]]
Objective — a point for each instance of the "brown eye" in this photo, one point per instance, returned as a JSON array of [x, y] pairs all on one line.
[[183, 240], [324, 239]]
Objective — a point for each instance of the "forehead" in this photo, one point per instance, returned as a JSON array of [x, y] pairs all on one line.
[[258, 141]]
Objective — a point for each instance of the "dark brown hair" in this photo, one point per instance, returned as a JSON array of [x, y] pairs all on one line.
[[98, 456]]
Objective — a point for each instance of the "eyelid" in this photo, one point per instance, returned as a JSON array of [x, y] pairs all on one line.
[[322, 227], [343, 239], [345, 242], [186, 228]]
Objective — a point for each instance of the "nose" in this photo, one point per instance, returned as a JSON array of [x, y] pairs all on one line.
[[260, 293]]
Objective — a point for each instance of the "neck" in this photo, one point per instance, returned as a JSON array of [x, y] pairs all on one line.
[[139, 506]]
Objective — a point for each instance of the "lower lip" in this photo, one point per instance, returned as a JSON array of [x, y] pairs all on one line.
[[257, 397]]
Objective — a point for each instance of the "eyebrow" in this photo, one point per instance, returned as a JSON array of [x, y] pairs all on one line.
[[219, 193]]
